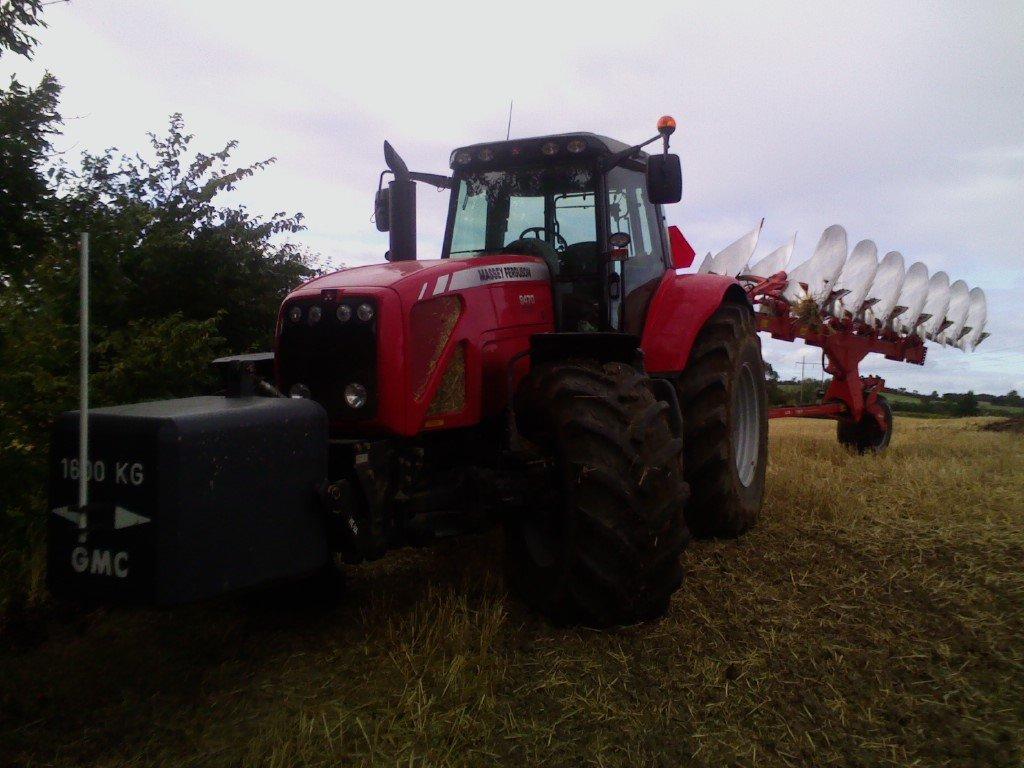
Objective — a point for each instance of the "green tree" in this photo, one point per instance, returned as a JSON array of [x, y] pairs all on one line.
[[177, 279], [966, 405], [28, 119], [17, 18], [163, 245], [775, 394]]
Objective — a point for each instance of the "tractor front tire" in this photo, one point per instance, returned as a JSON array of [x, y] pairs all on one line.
[[723, 397], [865, 436], [600, 545]]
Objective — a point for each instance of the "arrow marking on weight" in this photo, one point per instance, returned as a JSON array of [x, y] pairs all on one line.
[[125, 519], [69, 515]]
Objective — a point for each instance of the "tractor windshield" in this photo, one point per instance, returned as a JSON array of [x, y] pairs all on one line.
[[555, 204]]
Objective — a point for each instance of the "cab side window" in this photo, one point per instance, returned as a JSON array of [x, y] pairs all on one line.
[[629, 212]]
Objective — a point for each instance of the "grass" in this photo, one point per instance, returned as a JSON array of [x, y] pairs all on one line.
[[875, 616]]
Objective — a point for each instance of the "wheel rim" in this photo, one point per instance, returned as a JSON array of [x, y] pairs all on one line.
[[746, 425]]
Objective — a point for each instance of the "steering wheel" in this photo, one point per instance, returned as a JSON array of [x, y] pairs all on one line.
[[539, 233]]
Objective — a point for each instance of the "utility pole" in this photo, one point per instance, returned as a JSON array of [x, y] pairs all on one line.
[[803, 362]]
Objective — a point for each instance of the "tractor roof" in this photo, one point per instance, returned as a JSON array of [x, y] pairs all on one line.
[[500, 154]]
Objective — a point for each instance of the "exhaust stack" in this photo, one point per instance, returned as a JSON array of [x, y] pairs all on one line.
[[401, 208]]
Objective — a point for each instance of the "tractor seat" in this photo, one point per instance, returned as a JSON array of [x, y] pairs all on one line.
[[530, 246], [581, 259]]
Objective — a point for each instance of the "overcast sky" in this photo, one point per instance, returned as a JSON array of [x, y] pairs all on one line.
[[902, 122]]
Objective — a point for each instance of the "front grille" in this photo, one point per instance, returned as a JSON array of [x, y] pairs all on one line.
[[329, 354]]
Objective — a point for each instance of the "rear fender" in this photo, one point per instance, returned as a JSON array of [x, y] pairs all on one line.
[[680, 308]]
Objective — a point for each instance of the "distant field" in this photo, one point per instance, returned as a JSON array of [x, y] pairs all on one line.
[[874, 617], [898, 398], [992, 409]]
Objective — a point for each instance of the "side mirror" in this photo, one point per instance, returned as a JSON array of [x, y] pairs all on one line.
[[382, 209], [619, 240], [664, 179]]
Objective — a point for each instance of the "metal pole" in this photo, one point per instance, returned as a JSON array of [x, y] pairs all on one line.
[[83, 378]]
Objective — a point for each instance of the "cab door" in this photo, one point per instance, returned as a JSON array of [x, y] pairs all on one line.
[[632, 282]]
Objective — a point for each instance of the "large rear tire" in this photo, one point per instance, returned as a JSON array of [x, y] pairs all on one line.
[[866, 436], [600, 546], [724, 401]]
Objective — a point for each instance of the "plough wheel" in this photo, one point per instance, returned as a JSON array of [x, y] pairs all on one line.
[[865, 435], [600, 543], [725, 420]]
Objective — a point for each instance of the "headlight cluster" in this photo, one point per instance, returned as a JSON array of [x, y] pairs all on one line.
[[355, 395], [364, 312]]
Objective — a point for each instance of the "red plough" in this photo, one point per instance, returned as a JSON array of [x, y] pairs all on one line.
[[844, 344], [851, 304]]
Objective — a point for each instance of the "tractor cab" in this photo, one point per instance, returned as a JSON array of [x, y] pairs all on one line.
[[588, 205], [579, 201]]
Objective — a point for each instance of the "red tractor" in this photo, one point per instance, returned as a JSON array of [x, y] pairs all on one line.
[[555, 370]]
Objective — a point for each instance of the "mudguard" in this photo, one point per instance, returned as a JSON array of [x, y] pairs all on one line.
[[679, 309]]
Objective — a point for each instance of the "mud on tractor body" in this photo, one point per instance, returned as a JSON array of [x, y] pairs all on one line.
[[554, 371]]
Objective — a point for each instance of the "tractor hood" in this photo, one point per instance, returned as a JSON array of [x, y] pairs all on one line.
[[384, 325], [372, 275], [430, 276]]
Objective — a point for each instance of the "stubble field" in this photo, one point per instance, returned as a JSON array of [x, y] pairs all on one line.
[[875, 616]]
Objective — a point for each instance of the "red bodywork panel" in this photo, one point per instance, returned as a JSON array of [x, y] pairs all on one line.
[[678, 311], [504, 300], [682, 252]]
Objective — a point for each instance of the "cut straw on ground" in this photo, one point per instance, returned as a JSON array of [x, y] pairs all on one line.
[[874, 617]]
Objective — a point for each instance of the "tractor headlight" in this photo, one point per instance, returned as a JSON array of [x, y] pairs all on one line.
[[344, 313], [315, 313], [365, 313], [355, 395], [295, 313]]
